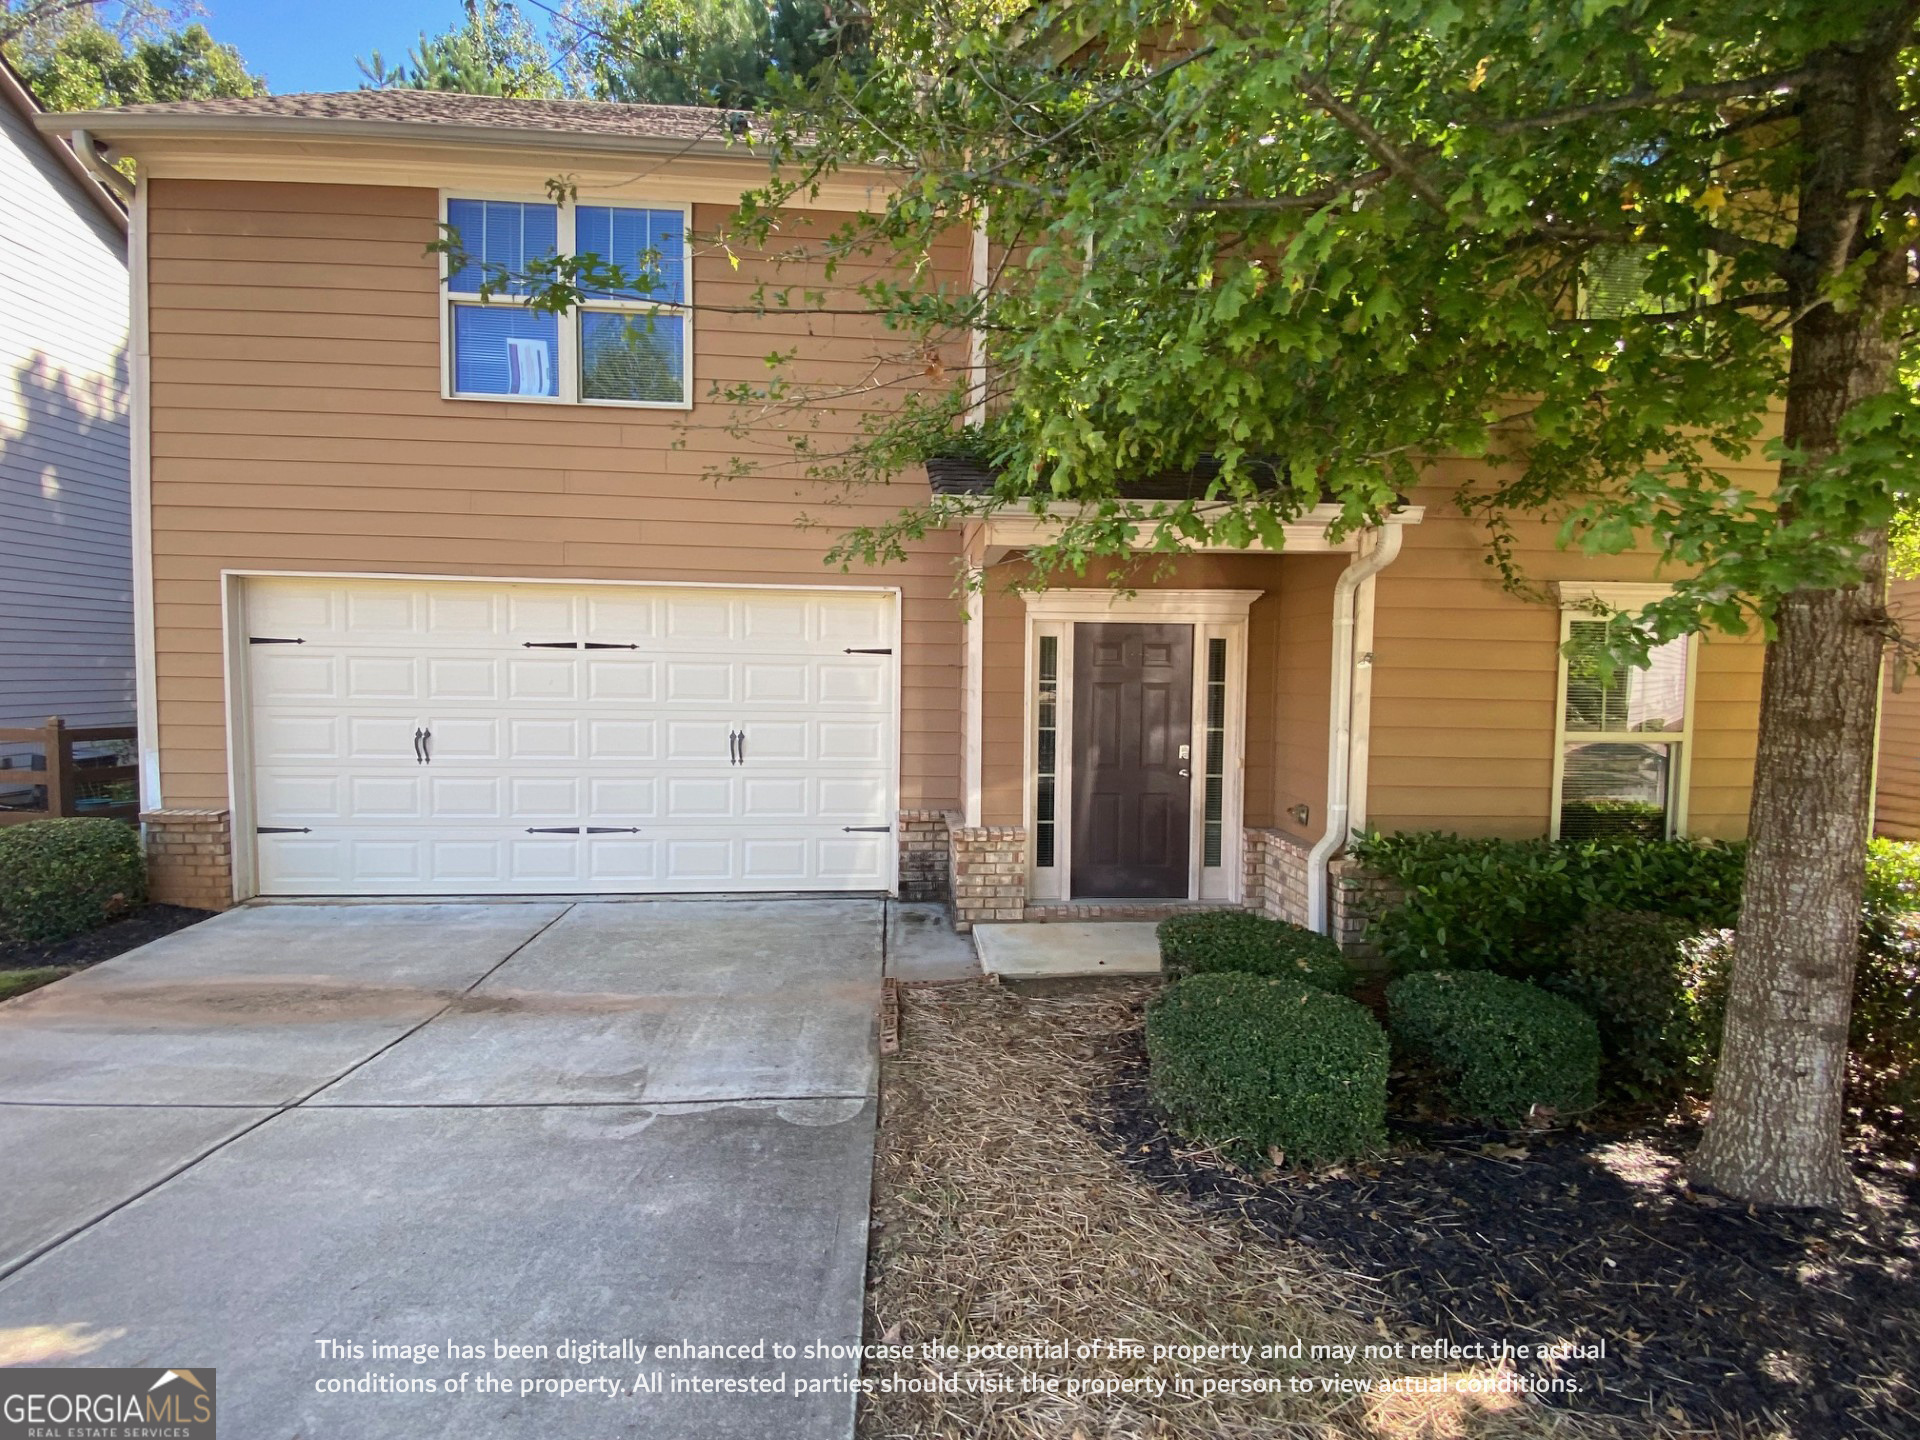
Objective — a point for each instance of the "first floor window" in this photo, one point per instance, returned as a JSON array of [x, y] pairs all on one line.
[[630, 340], [1624, 734]]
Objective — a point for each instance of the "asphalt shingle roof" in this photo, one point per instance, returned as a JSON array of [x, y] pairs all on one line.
[[428, 108], [948, 477]]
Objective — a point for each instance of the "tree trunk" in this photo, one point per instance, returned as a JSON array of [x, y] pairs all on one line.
[[1775, 1133]]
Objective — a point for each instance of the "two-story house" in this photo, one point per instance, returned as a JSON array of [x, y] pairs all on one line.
[[438, 595]]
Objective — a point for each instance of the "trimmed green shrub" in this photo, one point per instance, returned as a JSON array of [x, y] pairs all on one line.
[[1656, 986], [1213, 940], [1893, 880], [1609, 818], [1504, 1046], [60, 878], [1884, 1035], [1508, 905], [1252, 1064]]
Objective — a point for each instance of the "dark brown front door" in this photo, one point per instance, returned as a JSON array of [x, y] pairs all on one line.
[[1132, 721]]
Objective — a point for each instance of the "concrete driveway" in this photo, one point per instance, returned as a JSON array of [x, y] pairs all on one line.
[[619, 1123]]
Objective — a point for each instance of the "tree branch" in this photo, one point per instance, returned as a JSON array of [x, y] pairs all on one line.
[[1764, 300], [1305, 200], [1650, 99], [1382, 149]]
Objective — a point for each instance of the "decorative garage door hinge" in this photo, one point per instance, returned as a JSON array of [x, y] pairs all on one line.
[[850, 650], [867, 829], [583, 830], [272, 640], [281, 830], [553, 829], [549, 644]]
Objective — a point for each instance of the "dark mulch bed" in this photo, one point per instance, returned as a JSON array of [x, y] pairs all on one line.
[[149, 922], [1711, 1313]]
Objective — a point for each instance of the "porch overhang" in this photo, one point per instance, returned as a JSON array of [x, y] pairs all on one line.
[[993, 536]]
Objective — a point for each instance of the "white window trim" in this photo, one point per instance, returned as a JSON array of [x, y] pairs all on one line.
[[568, 359], [1586, 602], [1214, 614]]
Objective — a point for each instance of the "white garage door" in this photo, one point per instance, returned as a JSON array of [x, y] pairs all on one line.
[[414, 737]]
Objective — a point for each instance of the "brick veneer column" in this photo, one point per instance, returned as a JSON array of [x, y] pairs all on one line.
[[989, 874], [925, 855], [1353, 894], [1276, 875], [189, 858]]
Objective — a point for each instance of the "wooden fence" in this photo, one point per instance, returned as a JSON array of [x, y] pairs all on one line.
[[60, 785]]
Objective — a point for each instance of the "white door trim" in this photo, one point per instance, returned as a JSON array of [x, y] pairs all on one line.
[[238, 718], [1214, 614]]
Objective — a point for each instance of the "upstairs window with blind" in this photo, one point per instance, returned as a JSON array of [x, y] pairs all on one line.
[[1624, 736], [631, 345]]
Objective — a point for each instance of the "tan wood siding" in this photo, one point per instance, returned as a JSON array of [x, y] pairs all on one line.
[[1302, 680], [298, 425], [1896, 800], [1465, 675]]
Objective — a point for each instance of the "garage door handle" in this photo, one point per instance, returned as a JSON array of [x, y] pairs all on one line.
[[736, 747], [426, 746], [419, 756]]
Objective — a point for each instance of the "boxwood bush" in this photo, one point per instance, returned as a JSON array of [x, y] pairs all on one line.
[[1252, 1064], [1504, 1046], [1656, 986], [1213, 940], [59, 878], [1884, 1071], [1509, 905]]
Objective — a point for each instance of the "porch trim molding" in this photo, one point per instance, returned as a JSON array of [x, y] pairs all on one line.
[[1105, 603], [1221, 612], [1001, 533]]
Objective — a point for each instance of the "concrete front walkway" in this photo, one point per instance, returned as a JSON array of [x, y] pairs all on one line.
[[415, 1124]]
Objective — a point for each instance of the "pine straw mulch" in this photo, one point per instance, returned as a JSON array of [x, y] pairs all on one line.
[[1000, 1217]]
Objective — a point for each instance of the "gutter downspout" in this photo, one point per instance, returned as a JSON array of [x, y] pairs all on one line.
[[1340, 748], [973, 715], [111, 180]]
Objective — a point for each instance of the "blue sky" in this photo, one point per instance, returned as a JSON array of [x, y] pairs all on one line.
[[311, 44]]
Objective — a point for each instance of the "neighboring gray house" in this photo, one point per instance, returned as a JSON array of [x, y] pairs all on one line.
[[66, 585]]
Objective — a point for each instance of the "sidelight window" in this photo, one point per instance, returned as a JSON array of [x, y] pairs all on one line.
[[1216, 752], [1046, 749]]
